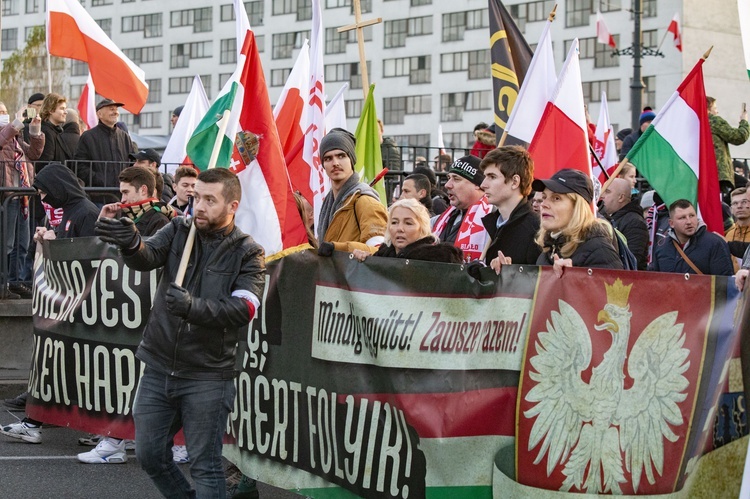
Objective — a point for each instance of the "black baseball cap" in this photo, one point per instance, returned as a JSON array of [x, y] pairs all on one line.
[[567, 181], [148, 155], [108, 102], [35, 97]]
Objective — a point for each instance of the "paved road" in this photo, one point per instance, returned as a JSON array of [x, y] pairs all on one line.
[[51, 470]]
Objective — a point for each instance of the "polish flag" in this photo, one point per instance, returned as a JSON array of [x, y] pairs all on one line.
[[87, 104], [535, 92], [196, 107], [290, 114], [602, 32], [441, 140], [73, 33], [604, 144], [674, 28], [561, 140], [335, 114]]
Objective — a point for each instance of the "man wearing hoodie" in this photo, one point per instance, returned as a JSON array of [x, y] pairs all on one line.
[[689, 248], [626, 215], [59, 188], [351, 216]]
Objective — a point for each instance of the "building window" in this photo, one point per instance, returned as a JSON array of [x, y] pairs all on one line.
[[150, 24], [223, 79], [335, 41], [228, 53], [650, 38], [182, 53], [530, 12], [366, 34], [586, 48], [578, 12], [419, 68], [150, 119], [105, 25], [154, 91], [280, 7], [605, 57], [353, 108], [10, 8], [348, 71], [254, 11], [304, 10], [206, 81], [454, 25], [649, 8], [453, 105], [78, 68], [364, 5], [592, 90], [32, 6], [480, 65], [459, 140], [29, 30], [75, 91], [649, 93], [610, 5], [417, 3], [414, 145], [140, 55], [97, 3], [395, 33], [260, 42], [396, 108], [180, 84], [279, 76], [285, 43], [199, 19], [10, 38]]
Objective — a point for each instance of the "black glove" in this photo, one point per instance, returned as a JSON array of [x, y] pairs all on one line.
[[325, 249], [178, 300], [474, 269], [120, 232]]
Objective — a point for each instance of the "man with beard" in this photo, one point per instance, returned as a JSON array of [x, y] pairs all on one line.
[[189, 348]]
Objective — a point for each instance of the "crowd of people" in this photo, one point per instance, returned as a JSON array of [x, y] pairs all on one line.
[[491, 212]]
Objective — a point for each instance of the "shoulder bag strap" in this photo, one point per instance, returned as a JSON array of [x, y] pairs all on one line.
[[685, 257]]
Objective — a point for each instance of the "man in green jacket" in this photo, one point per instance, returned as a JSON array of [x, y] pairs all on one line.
[[723, 135]]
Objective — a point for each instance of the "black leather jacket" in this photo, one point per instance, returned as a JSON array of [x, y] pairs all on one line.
[[204, 345]]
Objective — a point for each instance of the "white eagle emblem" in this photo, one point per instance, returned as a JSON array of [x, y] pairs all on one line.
[[588, 427]]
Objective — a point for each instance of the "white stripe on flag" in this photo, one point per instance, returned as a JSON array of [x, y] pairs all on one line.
[[677, 123]]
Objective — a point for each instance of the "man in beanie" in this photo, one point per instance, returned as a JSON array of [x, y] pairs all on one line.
[[351, 216], [645, 120], [620, 137], [176, 115], [461, 224]]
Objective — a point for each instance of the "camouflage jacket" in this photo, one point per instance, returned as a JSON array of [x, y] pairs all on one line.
[[723, 135]]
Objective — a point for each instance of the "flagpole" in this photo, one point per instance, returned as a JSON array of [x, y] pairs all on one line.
[[191, 235], [598, 161], [662, 39], [614, 173], [49, 72]]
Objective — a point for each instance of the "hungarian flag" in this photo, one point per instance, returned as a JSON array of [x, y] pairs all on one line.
[[743, 7], [290, 114], [196, 106], [87, 104], [676, 152], [267, 210], [561, 140], [536, 90], [511, 56], [73, 33], [602, 32], [369, 160], [604, 145], [674, 28]]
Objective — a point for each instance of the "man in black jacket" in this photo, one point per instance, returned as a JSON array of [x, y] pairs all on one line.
[[512, 225], [104, 151], [59, 188], [190, 347], [626, 215]]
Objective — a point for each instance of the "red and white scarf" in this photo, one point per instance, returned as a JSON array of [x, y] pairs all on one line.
[[472, 236]]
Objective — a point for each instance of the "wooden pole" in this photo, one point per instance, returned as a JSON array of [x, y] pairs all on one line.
[[359, 25], [182, 269]]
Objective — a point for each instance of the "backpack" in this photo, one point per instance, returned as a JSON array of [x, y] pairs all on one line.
[[627, 257]]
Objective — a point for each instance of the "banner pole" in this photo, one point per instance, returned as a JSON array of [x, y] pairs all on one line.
[[180, 277]]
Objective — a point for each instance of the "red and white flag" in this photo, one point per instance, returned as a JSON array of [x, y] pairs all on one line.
[[73, 33], [602, 32], [87, 104], [267, 209], [604, 144], [536, 90], [674, 28], [561, 140], [194, 110], [335, 114], [290, 114], [319, 181], [441, 140]]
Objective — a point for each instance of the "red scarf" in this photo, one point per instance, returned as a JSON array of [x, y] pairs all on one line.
[[472, 237]]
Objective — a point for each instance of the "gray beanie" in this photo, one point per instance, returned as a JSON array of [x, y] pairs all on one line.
[[338, 138]]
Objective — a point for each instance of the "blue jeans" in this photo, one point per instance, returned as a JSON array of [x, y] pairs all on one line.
[[163, 405], [17, 243]]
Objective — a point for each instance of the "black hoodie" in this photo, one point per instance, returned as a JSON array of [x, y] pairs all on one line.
[[63, 191]]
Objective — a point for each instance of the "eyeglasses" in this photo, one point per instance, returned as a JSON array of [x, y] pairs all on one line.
[[744, 202]]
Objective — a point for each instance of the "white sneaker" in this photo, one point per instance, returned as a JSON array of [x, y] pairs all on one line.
[[109, 450], [179, 454], [23, 431], [129, 444]]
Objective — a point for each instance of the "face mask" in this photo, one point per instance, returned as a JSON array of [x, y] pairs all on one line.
[[4, 119], [634, 191]]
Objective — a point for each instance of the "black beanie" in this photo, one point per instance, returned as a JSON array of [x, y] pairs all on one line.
[[468, 168], [338, 138]]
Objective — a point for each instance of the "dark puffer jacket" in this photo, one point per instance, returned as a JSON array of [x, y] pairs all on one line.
[[426, 249], [204, 345], [708, 251], [515, 238], [630, 222], [63, 191], [596, 251]]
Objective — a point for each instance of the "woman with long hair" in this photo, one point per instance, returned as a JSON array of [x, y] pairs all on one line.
[[570, 234], [409, 236]]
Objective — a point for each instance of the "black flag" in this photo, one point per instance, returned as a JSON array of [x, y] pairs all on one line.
[[511, 56]]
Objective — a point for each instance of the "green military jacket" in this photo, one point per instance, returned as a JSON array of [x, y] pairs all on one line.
[[723, 135]]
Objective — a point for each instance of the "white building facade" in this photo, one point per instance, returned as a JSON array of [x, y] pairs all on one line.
[[429, 59]]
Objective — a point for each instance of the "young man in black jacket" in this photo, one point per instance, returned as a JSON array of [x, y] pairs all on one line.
[[190, 348], [137, 187]]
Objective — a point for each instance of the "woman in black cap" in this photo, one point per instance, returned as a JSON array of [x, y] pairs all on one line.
[[570, 234]]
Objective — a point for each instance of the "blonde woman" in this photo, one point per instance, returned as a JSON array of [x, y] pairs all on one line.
[[408, 235], [570, 235]]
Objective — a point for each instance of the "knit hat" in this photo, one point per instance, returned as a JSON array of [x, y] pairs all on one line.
[[338, 138], [624, 133], [468, 168], [178, 110], [646, 116]]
